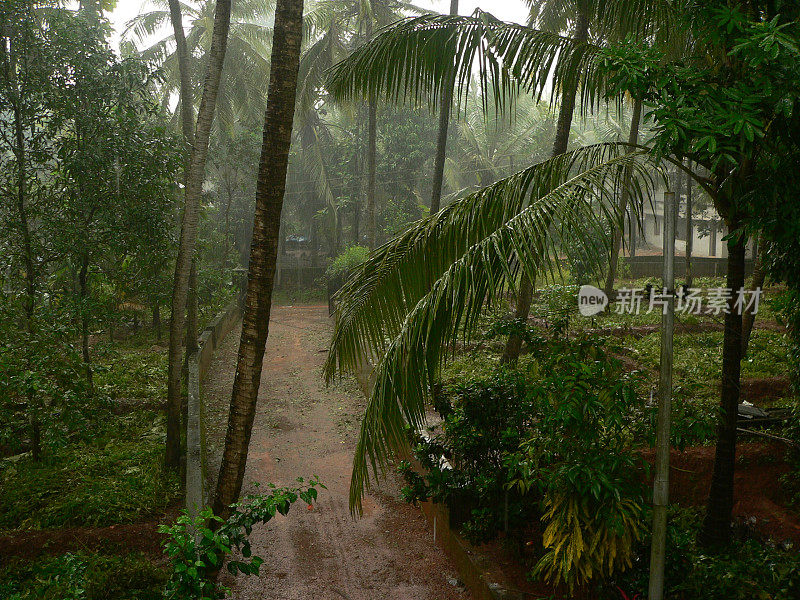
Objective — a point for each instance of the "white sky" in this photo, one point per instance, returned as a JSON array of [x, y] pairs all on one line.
[[507, 10]]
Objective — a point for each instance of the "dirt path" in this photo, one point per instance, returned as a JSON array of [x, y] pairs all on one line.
[[304, 429]]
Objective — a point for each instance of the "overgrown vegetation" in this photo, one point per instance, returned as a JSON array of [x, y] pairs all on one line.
[[104, 456], [555, 440], [750, 568], [83, 576]]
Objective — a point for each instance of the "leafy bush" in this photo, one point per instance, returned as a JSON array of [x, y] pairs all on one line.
[[556, 426], [83, 576], [197, 547], [42, 377], [557, 304], [484, 420], [580, 459], [342, 265]]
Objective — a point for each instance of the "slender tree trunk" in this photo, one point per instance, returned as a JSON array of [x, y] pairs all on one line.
[[372, 136], [191, 312], [689, 226], [186, 99], [633, 138], [29, 303], [717, 522], [748, 319], [563, 125], [22, 212], [83, 290], [441, 142], [286, 43], [188, 236], [356, 189]]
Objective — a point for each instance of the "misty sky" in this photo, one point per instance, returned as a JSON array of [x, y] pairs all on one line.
[[507, 10]]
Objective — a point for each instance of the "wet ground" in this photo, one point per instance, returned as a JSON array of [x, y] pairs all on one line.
[[303, 428]]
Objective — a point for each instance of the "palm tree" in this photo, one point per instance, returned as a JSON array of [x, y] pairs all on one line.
[[406, 62], [189, 221], [247, 57], [420, 293], [441, 142], [287, 40]]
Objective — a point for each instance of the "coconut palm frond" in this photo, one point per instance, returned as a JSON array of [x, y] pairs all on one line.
[[417, 59], [145, 25], [530, 214], [373, 304]]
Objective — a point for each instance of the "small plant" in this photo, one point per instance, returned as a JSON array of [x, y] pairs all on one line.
[[557, 306], [197, 547]]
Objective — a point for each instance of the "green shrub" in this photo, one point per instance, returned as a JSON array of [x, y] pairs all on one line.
[[484, 420], [557, 305], [83, 576], [342, 265], [564, 415], [579, 457], [42, 377]]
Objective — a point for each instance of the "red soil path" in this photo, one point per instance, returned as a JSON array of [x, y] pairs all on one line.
[[304, 429]]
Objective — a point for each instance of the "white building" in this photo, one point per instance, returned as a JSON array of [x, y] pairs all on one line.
[[708, 230]]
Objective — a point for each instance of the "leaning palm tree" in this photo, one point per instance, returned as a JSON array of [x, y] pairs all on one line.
[[406, 61], [419, 294], [264, 250]]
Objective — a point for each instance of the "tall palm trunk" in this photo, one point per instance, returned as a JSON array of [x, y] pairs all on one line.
[[633, 138], [716, 525], [188, 236], [372, 150], [356, 185], [187, 108], [441, 142], [187, 127], [563, 125], [372, 137], [270, 189]]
